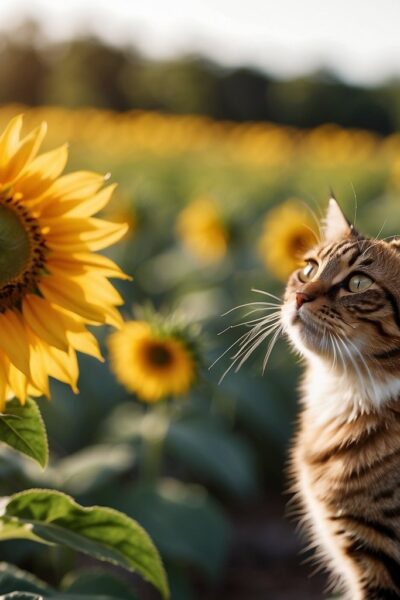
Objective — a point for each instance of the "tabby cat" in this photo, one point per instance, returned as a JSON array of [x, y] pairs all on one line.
[[341, 311]]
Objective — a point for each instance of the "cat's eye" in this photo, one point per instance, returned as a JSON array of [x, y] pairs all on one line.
[[359, 283], [309, 271]]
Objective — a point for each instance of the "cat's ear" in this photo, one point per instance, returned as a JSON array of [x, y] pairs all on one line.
[[336, 226]]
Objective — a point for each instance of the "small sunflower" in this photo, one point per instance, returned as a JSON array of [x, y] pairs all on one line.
[[51, 283], [150, 362], [202, 231], [288, 232]]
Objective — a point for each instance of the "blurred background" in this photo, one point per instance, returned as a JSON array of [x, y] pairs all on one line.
[[221, 122]]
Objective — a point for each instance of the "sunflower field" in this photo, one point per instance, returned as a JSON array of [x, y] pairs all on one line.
[[183, 425]]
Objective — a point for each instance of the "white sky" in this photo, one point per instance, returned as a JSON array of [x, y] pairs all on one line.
[[358, 38]]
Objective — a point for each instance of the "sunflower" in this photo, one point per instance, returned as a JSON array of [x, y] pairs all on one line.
[[288, 232], [151, 363], [51, 283], [202, 231]]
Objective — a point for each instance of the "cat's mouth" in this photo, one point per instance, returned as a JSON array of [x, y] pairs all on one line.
[[310, 325], [307, 322]]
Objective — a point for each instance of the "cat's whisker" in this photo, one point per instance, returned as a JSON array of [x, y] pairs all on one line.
[[257, 291], [355, 204], [248, 336], [241, 359], [236, 356], [381, 229], [277, 310], [339, 343], [252, 321], [356, 367], [270, 323], [254, 333], [271, 346], [242, 337], [334, 350], [249, 304], [367, 369], [263, 335], [317, 221]]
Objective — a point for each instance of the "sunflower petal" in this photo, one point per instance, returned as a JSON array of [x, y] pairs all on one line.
[[18, 384], [3, 381], [13, 340], [86, 261], [62, 366], [40, 174], [76, 186], [68, 294], [78, 336], [74, 235], [39, 374], [28, 148], [9, 140], [44, 321], [82, 208]]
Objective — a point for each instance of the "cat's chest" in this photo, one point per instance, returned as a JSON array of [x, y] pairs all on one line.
[[343, 397]]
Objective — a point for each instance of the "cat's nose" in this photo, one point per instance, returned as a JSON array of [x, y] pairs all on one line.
[[302, 298]]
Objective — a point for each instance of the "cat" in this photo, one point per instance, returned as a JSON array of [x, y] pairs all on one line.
[[341, 311]]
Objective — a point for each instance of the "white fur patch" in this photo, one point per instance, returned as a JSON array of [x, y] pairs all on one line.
[[343, 390]]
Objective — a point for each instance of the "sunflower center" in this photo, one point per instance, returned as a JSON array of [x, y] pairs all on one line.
[[158, 355], [298, 243], [22, 252]]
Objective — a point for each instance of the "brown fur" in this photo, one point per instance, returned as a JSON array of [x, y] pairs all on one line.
[[346, 456]]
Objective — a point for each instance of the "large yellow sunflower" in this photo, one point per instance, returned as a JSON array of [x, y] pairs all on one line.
[[150, 363], [51, 283], [289, 230]]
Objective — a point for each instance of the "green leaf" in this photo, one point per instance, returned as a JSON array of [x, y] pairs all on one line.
[[214, 453], [92, 467], [95, 581], [261, 406], [185, 523], [52, 517], [22, 428], [12, 578], [21, 596]]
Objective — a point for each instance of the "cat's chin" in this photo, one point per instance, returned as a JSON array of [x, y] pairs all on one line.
[[307, 335]]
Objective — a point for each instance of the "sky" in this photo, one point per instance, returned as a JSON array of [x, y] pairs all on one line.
[[357, 38]]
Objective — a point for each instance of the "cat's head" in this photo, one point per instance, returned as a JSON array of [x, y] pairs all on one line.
[[344, 303]]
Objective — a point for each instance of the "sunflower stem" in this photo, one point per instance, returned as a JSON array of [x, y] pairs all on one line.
[[154, 430]]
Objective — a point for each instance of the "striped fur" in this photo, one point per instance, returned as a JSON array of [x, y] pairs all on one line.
[[346, 456]]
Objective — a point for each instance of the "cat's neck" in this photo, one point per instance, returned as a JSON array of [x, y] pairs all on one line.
[[334, 394]]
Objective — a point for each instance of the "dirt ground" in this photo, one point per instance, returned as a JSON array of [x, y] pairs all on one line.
[[266, 560]]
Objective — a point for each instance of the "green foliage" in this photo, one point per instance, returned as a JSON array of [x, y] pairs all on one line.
[[52, 517], [90, 581], [184, 522], [214, 453], [22, 428], [12, 578], [95, 584]]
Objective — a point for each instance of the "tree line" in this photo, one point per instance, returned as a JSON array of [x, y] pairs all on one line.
[[87, 72]]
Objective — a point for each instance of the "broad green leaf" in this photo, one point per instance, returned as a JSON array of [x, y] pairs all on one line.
[[22, 596], [185, 523], [53, 517], [22, 428], [96, 581], [261, 406], [12, 578], [214, 453], [92, 467]]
